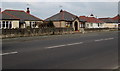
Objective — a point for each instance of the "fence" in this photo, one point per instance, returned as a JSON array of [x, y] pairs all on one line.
[[34, 32]]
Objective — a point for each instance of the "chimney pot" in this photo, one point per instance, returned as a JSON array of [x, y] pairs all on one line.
[[61, 10], [28, 11]]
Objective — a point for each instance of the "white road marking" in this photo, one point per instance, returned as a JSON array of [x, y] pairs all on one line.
[[99, 40], [103, 39], [108, 38], [75, 43], [56, 46], [9, 53], [79, 43], [65, 45]]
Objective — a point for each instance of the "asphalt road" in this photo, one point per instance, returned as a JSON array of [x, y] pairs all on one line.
[[75, 51]]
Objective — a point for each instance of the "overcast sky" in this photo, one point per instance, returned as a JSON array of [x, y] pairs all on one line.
[[44, 10]]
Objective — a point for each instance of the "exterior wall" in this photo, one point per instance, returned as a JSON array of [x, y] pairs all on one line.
[[67, 24], [9, 24], [23, 25], [111, 25], [15, 24], [27, 23], [59, 23], [56, 24], [32, 22], [94, 25], [82, 24], [63, 24]]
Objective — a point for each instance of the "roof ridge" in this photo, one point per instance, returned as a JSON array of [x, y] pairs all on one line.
[[96, 20], [51, 16], [70, 13], [14, 10], [62, 15]]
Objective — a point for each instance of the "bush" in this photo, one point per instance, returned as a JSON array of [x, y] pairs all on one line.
[[50, 24]]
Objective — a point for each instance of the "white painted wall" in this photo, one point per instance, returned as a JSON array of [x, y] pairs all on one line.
[[28, 23], [110, 25], [94, 25], [15, 24]]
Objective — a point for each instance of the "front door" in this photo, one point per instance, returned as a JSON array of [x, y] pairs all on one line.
[[76, 26]]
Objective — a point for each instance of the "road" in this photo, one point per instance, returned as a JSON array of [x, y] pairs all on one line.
[[98, 50]]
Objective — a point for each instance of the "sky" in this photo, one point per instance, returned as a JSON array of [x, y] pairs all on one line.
[[47, 8]]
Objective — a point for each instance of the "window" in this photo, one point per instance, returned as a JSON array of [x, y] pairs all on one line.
[[30, 23], [91, 24], [98, 24], [6, 24], [10, 25], [3, 25], [34, 24], [87, 25]]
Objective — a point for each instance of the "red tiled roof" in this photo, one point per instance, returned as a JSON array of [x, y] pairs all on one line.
[[91, 19], [13, 10], [116, 17], [22, 15], [107, 20]]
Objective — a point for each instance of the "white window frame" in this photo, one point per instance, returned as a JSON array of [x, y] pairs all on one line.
[[6, 24]]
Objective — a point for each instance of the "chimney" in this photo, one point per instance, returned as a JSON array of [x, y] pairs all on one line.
[[91, 15], [61, 10], [28, 11]]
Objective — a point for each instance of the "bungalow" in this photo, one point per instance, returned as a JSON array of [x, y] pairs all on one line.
[[24, 19], [117, 19], [65, 19], [8, 21], [109, 23], [92, 22]]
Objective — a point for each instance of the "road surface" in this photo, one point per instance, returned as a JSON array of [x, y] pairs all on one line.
[[98, 50]]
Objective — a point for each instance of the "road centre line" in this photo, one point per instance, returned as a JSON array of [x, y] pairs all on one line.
[[65, 45], [78, 43], [108, 38], [98, 40], [8, 53], [103, 39], [57, 46]]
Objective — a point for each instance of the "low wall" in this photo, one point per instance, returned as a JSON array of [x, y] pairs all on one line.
[[99, 29], [5, 33], [34, 32]]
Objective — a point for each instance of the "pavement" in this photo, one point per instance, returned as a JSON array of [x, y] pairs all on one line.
[[98, 50]]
